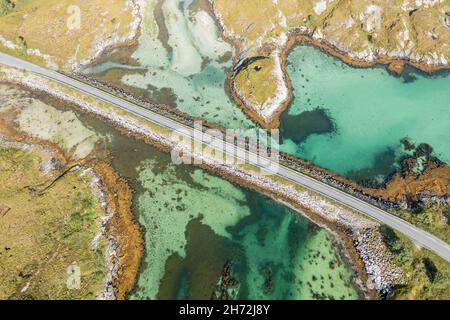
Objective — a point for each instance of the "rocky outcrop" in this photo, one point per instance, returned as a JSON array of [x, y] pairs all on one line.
[[346, 223], [361, 33]]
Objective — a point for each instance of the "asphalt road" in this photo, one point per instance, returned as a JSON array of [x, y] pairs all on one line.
[[419, 236]]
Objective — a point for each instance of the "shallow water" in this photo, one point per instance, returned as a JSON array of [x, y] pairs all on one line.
[[185, 62], [196, 223], [348, 120], [371, 112], [42, 121]]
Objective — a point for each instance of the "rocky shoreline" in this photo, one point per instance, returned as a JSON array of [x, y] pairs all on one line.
[[119, 227], [379, 197], [395, 65], [358, 235], [124, 232], [349, 225], [278, 48], [115, 42], [98, 190]]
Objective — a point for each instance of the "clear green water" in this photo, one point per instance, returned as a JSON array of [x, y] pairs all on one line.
[[345, 119], [370, 109], [348, 120], [184, 57], [195, 223]]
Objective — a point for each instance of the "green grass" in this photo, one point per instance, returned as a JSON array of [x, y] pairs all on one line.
[[6, 6], [256, 82], [435, 220], [428, 276], [48, 232]]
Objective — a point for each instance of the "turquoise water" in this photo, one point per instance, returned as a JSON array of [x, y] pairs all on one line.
[[196, 224], [286, 257], [185, 62], [351, 121], [363, 114], [348, 120]]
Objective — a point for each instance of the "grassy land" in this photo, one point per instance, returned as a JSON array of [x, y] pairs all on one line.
[[435, 220], [428, 276], [409, 257], [47, 25], [44, 233], [356, 26], [256, 82]]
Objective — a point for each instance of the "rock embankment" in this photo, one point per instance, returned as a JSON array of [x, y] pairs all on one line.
[[377, 268]]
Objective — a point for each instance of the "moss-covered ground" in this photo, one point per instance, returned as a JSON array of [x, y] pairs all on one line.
[[47, 230], [51, 26]]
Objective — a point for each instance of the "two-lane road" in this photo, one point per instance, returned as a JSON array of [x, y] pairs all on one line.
[[420, 237]]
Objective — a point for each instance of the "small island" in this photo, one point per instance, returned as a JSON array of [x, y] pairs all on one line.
[[361, 33]]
